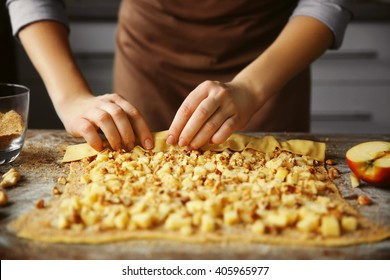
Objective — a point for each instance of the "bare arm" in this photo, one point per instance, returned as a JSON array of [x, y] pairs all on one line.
[[213, 111], [301, 42], [47, 45]]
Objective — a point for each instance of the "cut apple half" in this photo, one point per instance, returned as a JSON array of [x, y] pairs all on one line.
[[370, 162]]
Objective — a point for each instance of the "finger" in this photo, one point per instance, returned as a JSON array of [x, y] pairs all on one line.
[[224, 132], [104, 121], [207, 119], [137, 121], [89, 132], [207, 132], [122, 123], [186, 110], [201, 126]]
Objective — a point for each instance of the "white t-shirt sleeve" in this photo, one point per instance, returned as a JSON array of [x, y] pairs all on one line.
[[335, 14], [24, 12]]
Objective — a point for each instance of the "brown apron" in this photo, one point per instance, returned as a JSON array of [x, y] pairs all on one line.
[[165, 48]]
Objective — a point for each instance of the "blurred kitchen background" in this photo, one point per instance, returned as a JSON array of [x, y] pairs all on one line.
[[350, 90]]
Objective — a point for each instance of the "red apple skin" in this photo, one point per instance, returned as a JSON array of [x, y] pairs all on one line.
[[377, 176], [370, 162]]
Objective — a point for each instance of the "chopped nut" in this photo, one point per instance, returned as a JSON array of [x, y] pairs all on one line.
[[10, 178], [40, 203], [333, 173], [3, 198], [56, 191], [330, 162], [364, 200], [355, 181]]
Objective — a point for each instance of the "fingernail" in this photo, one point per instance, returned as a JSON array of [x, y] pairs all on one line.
[[148, 144], [182, 142], [189, 148], [170, 140]]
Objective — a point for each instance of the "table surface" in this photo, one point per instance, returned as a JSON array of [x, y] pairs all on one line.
[[39, 164]]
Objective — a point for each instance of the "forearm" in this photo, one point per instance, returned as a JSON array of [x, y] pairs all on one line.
[[302, 41], [47, 45]]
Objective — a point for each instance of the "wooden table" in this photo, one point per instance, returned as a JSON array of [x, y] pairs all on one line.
[[39, 164]]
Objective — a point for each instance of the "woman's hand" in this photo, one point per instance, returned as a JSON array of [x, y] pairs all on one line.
[[46, 42], [211, 113], [120, 121]]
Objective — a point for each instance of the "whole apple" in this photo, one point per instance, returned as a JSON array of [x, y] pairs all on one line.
[[370, 162]]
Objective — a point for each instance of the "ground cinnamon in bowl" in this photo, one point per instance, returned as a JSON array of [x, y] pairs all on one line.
[[11, 127]]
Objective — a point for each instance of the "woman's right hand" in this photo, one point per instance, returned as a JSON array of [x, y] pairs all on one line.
[[47, 45], [119, 120]]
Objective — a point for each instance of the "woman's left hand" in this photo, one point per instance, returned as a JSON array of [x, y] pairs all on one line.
[[211, 113]]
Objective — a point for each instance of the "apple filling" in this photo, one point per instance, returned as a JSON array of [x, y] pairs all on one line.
[[206, 191]]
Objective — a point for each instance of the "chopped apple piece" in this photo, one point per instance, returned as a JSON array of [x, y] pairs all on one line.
[[258, 227], [309, 223], [208, 223], [142, 220], [349, 223], [230, 217], [355, 181], [330, 226]]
